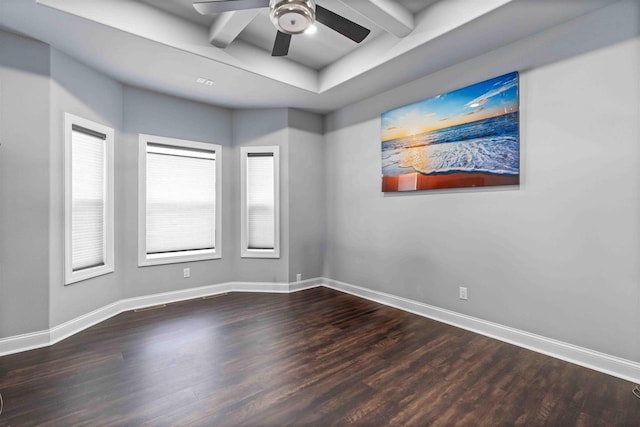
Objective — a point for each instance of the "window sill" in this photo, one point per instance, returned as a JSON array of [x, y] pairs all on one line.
[[172, 258], [260, 253], [89, 273]]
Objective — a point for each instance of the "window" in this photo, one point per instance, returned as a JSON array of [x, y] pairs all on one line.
[[88, 199], [260, 202], [179, 201]]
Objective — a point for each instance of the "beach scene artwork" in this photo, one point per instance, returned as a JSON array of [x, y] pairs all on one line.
[[465, 138]]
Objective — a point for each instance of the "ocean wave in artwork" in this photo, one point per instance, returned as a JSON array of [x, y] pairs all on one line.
[[438, 153], [494, 155]]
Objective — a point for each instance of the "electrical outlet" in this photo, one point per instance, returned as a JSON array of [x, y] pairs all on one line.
[[463, 293], [187, 273], [298, 277]]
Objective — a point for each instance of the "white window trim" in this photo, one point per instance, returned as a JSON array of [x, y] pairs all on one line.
[[108, 267], [186, 256], [245, 251]]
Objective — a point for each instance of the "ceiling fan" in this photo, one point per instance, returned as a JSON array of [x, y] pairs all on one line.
[[290, 17]]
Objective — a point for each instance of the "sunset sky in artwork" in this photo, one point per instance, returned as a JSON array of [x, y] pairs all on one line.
[[480, 101]]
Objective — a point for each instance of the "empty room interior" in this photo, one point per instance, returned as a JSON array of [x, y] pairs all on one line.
[[330, 212]]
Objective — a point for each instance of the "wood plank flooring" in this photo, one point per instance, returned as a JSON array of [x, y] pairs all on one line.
[[313, 358]]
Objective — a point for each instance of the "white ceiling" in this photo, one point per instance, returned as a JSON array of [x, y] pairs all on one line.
[[183, 9], [164, 45], [314, 51]]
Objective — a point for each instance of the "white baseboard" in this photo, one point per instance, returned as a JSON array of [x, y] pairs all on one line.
[[24, 342], [73, 326], [306, 284], [20, 343], [175, 296], [611, 365]]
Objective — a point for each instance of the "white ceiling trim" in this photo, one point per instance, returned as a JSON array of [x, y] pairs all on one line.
[[387, 14], [153, 24], [437, 20], [226, 27]]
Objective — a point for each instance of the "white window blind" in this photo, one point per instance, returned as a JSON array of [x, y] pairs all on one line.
[[88, 191], [88, 199], [180, 199], [260, 193]]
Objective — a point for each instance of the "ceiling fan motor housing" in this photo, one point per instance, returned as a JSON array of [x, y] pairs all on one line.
[[292, 16]]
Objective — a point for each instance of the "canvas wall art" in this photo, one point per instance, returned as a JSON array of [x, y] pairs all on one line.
[[465, 138]]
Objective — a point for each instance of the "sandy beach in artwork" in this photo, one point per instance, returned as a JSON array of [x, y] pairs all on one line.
[[418, 181]]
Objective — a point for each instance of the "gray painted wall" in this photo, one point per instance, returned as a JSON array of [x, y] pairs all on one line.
[[82, 91], [24, 185], [157, 114], [302, 193], [557, 256], [259, 128], [307, 195]]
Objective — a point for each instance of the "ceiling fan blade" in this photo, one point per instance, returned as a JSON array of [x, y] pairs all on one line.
[[281, 46], [219, 6], [344, 26]]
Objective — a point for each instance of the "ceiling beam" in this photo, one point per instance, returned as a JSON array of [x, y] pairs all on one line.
[[228, 26], [387, 14]]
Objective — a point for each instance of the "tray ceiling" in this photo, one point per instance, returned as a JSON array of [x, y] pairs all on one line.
[[166, 45]]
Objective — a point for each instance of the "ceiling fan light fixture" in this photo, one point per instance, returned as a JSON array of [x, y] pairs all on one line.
[[292, 16]]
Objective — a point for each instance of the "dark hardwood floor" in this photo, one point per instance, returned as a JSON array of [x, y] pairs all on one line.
[[316, 358]]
